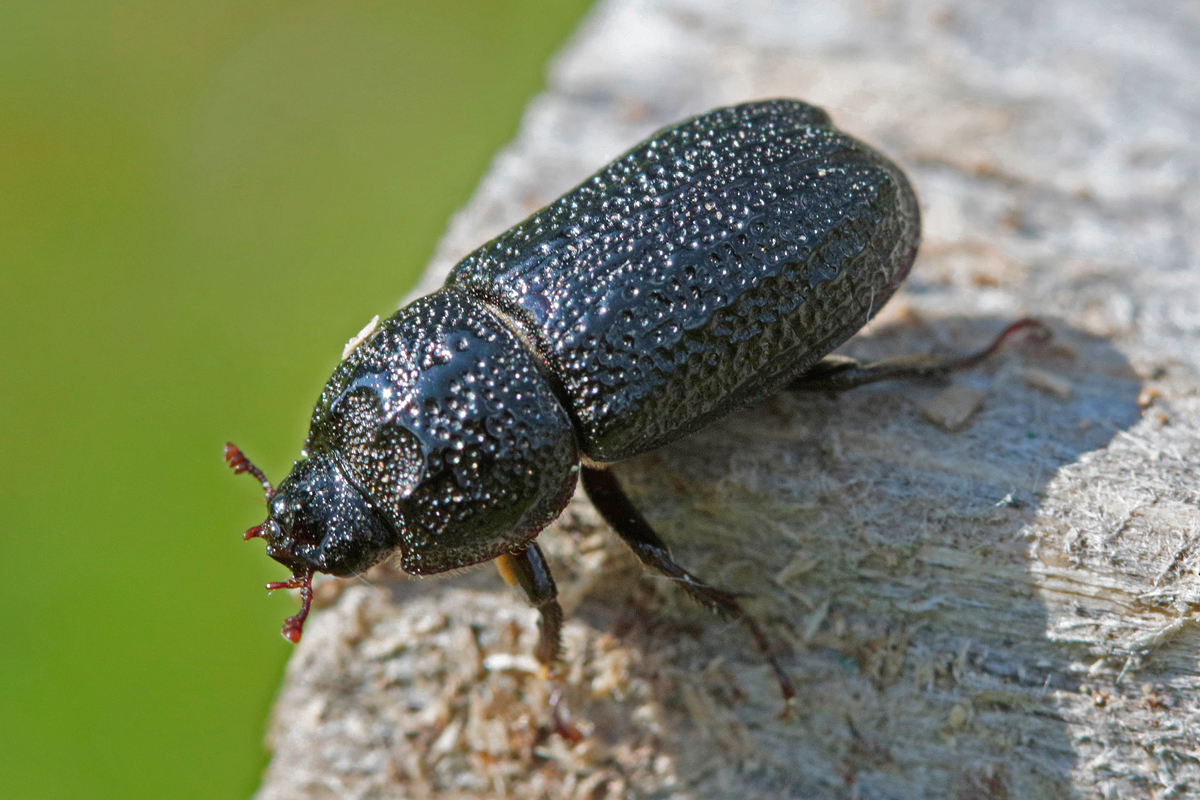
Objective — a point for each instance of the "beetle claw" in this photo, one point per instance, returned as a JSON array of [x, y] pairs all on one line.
[[561, 716]]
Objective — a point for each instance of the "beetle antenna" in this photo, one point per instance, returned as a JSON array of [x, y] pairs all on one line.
[[294, 626], [238, 462]]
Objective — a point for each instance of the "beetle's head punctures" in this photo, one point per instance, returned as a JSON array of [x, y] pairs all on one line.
[[317, 521]]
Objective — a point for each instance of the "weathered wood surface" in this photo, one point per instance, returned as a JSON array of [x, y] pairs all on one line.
[[1004, 611]]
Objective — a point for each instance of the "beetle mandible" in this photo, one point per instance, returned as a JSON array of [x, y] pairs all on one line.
[[715, 263]]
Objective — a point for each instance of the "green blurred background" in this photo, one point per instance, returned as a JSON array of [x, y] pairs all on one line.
[[200, 202]]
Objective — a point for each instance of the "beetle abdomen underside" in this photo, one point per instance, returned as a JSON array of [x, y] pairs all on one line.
[[702, 270]]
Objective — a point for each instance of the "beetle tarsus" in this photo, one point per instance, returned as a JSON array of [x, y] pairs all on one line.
[[614, 505], [838, 373]]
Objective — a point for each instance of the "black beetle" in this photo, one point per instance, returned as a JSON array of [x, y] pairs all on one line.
[[715, 263]]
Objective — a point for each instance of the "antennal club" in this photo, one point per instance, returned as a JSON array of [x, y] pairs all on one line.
[[238, 462]]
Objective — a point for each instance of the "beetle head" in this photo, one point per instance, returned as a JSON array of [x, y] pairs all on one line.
[[317, 521]]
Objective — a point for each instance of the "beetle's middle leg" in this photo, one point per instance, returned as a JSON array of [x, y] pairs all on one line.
[[614, 505], [528, 569], [837, 374]]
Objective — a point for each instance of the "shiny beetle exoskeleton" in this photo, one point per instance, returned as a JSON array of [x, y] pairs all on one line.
[[715, 263]]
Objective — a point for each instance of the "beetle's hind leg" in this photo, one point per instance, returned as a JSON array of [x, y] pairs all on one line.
[[614, 505], [528, 569], [837, 374]]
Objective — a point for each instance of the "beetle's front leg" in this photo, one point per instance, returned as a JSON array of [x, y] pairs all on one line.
[[614, 505], [837, 373], [528, 569]]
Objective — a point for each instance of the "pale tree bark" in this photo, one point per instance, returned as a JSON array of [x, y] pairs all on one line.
[[1004, 610]]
